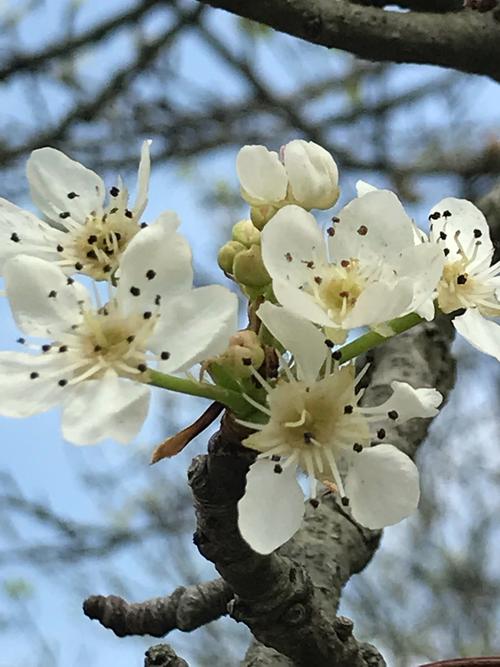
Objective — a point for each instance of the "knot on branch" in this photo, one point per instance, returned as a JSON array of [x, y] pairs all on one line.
[[343, 627], [163, 655]]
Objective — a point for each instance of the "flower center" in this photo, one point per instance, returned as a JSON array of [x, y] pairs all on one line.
[[338, 289], [96, 247]]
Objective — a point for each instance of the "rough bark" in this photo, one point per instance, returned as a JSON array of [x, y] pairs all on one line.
[[163, 655], [468, 41]]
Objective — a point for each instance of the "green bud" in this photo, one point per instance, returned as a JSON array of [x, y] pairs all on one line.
[[262, 214], [245, 232], [244, 353], [249, 269], [227, 254]]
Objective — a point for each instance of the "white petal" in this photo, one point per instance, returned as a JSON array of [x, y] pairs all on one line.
[[363, 188], [382, 486], [262, 176], [143, 173], [22, 395], [481, 333], [111, 407], [157, 262], [195, 326], [291, 240], [42, 301], [300, 337], [409, 402], [427, 310], [301, 303], [463, 217], [23, 233], [312, 173], [372, 227], [380, 302], [422, 264], [271, 510], [53, 176]]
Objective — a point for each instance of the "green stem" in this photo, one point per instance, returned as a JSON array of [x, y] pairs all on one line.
[[227, 397], [373, 339]]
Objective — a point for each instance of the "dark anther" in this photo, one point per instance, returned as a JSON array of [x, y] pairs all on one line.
[[318, 280], [52, 294], [157, 299], [308, 436], [345, 263], [78, 266], [275, 457], [106, 268], [114, 192], [92, 239], [128, 214], [381, 433], [135, 291], [62, 383], [113, 210], [329, 343], [357, 447], [461, 280], [143, 225], [63, 348], [477, 233], [34, 375], [21, 341], [314, 502], [392, 414], [309, 263], [91, 254], [69, 281], [443, 235], [165, 355], [59, 248], [363, 230], [72, 195], [150, 274], [64, 215], [278, 469], [446, 252], [335, 219], [118, 236], [288, 257], [446, 214], [344, 294], [330, 231], [345, 501], [147, 315], [142, 367], [14, 237], [247, 361], [348, 410], [46, 347], [435, 216], [337, 356], [130, 339], [97, 348]]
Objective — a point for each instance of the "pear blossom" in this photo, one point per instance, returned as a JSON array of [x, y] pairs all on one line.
[[469, 279], [96, 361], [83, 233], [316, 425], [366, 272], [302, 173]]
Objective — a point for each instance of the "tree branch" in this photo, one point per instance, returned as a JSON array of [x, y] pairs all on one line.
[[185, 609], [163, 655], [467, 41]]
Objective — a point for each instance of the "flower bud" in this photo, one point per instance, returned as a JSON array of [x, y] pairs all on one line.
[[246, 233], [227, 254], [249, 269], [312, 174], [262, 214], [244, 353]]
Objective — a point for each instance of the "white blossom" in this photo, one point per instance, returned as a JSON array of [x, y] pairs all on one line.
[[83, 233], [469, 279], [316, 425], [96, 359], [302, 173], [368, 270]]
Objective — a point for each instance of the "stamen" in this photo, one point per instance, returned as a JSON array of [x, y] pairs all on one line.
[[264, 383], [257, 405], [299, 422]]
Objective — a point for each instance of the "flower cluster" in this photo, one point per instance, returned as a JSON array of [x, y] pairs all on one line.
[[107, 308]]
